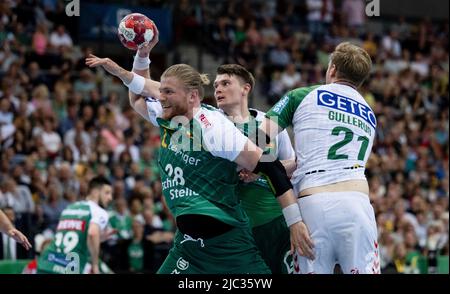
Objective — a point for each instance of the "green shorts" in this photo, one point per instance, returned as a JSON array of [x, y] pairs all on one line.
[[233, 252], [274, 242]]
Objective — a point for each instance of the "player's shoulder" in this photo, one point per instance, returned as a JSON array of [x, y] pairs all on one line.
[[303, 91], [340, 91], [210, 117], [78, 208], [98, 215], [96, 209]]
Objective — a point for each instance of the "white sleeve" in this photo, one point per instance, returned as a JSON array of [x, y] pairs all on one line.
[[220, 136], [285, 150], [154, 109], [99, 216]]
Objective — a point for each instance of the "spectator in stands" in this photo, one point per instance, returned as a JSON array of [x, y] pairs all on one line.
[[60, 38]]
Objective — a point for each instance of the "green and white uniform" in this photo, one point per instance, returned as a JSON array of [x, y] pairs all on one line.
[[334, 130], [199, 177], [68, 252], [271, 234]]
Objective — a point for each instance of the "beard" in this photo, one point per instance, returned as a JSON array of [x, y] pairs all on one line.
[[174, 110]]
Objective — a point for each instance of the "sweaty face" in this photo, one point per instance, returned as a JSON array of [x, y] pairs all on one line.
[[174, 98], [228, 91], [105, 196]]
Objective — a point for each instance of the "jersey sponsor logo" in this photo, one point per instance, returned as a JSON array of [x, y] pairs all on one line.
[[182, 264], [204, 120], [71, 225], [103, 221], [187, 159], [58, 258], [334, 101], [280, 105], [180, 193]]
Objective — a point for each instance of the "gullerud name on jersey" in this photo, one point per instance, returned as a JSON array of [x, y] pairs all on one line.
[[71, 225], [350, 106], [350, 120]]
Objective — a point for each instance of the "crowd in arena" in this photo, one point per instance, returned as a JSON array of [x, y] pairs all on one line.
[[61, 123]]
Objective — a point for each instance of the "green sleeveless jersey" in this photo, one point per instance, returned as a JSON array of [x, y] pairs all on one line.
[[197, 172], [68, 252], [257, 198]]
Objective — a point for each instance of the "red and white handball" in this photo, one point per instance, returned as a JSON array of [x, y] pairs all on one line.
[[135, 30]]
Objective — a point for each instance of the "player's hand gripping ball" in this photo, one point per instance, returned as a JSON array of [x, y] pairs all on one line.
[[135, 30]]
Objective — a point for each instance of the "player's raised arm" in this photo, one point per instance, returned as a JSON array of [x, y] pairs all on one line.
[[135, 83], [141, 66]]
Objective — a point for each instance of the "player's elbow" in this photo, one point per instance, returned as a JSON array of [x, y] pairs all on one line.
[[132, 99], [94, 231]]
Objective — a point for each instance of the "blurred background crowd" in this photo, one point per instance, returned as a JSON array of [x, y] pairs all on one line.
[[61, 123]]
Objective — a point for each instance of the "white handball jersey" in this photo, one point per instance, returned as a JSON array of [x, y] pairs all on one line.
[[334, 130], [219, 136]]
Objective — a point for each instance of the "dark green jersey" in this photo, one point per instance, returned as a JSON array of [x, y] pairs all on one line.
[[68, 252], [197, 169], [257, 197]]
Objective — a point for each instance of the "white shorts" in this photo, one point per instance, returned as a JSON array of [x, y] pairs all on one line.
[[344, 231]]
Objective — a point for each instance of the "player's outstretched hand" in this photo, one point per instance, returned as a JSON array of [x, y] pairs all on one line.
[[20, 238], [109, 65], [94, 61], [301, 240]]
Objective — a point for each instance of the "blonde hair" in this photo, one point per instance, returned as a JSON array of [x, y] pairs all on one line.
[[352, 63], [41, 92], [191, 79]]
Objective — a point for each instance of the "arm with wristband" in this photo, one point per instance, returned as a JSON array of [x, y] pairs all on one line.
[[251, 159], [247, 155], [137, 81]]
